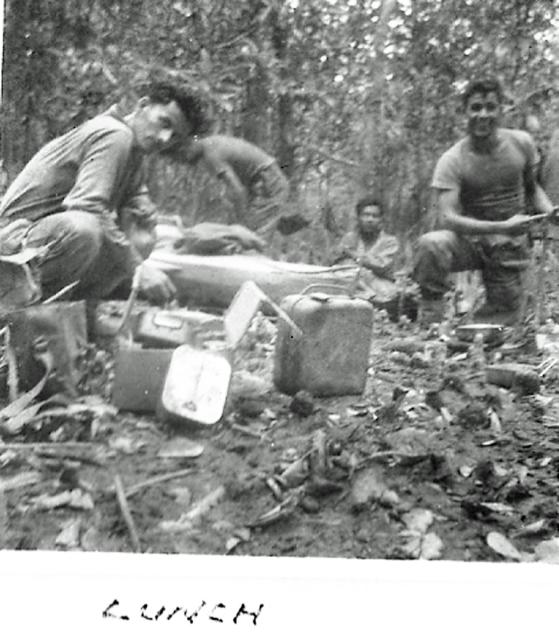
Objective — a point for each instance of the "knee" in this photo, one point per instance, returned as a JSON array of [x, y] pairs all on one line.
[[71, 232], [81, 233], [427, 246], [84, 229], [433, 244]]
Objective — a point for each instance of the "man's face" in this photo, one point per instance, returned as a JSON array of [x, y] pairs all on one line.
[[483, 112], [370, 219], [159, 126]]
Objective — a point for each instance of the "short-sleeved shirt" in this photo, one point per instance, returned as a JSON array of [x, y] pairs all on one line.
[[491, 186], [381, 254]]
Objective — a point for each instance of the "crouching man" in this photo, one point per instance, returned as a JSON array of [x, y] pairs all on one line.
[[255, 185], [486, 188], [83, 197]]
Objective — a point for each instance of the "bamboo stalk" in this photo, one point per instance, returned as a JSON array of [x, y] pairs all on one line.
[[125, 510]]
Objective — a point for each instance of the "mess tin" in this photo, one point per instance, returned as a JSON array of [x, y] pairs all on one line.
[[156, 328], [197, 382], [196, 387]]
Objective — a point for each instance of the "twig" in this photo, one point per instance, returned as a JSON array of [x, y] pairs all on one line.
[[245, 431], [384, 454], [32, 446], [123, 504], [133, 490], [330, 156], [71, 455], [13, 378], [62, 291]]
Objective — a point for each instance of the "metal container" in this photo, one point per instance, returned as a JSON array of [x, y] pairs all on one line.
[[331, 356], [139, 377], [492, 333], [157, 328], [196, 387]]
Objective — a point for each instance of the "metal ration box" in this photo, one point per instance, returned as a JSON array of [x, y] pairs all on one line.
[[196, 387], [161, 328], [331, 356], [139, 377]]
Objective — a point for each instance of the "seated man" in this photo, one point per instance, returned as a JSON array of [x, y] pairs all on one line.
[[83, 197], [486, 187], [373, 250], [255, 184]]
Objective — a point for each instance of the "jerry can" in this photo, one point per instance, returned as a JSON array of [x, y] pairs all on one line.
[[331, 354], [196, 387]]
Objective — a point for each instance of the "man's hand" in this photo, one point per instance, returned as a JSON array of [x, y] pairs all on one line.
[[143, 240], [155, 285], [516, 225]]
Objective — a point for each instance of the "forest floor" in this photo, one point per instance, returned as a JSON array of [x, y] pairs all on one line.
[[430, 462]]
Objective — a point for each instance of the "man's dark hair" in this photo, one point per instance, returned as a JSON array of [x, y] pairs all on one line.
[[367, 201], [483, 86], [190, 104]]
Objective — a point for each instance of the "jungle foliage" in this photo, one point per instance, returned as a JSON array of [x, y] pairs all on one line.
[[349, 95]]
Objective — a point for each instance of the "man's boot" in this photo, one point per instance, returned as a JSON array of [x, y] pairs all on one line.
[[431, 311]]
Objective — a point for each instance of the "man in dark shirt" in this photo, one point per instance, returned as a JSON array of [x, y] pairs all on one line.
[[83, 196], [486, 187], [255, 184]]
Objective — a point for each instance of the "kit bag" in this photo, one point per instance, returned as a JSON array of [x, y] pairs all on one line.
[[62, 330]]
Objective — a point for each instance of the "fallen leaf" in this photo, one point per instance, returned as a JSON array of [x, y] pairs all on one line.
[[195, 514], [69, 537], [76, 499], [280, 512], [91, 540], [231, 544], [3, 520], [423, 547], [181, 448], [7, 457], [490, 443], [182, 495], [243, 533], [501, 545], [532, 529], [548, 551], [369, 486], [124, 445], [431, 547], [222, 526], [497, 507], [466, 470], [20, 480], [418, 520]]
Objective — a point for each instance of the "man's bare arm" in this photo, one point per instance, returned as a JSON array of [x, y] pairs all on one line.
[[541, 201], [225, 172], [449, 208]]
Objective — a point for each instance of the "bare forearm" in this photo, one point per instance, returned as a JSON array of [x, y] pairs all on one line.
[[541, 201], [470, 226]]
